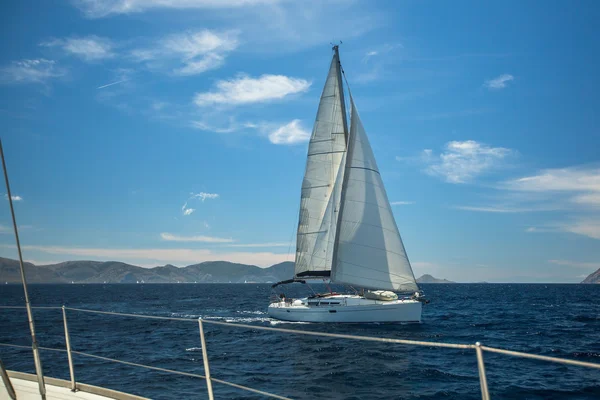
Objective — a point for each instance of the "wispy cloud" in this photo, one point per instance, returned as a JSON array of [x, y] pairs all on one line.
[[31, 71], [103, 8], [230, 127], [589, 227], [111, 84], [402, 203], [203, 196], [189, 53], [576, 264], [462, 162], [499, 82], [185, 210], [451, 114], [289, 134], [13, 197], [580, 184], [503, 209], [156, 256], [268, 244], [89, 48], [246, 90], [203, 239]]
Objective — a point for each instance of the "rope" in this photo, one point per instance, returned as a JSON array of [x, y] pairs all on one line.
[[172, 371], [41, 308], [133, 315], [543, 358], [340, 336]]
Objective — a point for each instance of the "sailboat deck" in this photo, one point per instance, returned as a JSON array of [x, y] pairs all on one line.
[[26, 388]]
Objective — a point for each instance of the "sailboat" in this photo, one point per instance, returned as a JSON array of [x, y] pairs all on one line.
[[346, 229]]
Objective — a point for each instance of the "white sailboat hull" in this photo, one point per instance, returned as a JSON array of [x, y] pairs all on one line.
[[346, 309]]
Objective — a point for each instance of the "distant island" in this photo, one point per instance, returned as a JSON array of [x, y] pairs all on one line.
[[120, 272], [430, 279], [594, 277]]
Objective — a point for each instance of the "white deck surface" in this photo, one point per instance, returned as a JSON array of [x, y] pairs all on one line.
[[27, 390]]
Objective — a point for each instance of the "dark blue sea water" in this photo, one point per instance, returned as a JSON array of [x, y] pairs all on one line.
[[554, 320]]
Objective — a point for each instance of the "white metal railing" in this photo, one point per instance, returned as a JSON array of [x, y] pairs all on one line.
[[479, 349]]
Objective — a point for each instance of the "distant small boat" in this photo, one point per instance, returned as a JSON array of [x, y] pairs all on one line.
[[346, 228]]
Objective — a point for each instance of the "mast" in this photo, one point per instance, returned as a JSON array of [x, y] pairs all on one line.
[[34, 345], [336, 49]]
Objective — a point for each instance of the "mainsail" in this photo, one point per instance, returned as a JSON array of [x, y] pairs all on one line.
[[325, 153], [368, 252]]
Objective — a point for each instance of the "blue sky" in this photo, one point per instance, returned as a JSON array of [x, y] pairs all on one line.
[[157, 132]]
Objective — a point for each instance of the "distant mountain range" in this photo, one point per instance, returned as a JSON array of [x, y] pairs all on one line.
[[119, 272], [594, 277], [430, 279]]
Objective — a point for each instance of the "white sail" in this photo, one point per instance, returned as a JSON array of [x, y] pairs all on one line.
[[322, 256], [325, 151], [369, 251]]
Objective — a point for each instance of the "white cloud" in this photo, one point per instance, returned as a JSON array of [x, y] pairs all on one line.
[[291, 133], [203, 196], [246, 90], [151, 257], [580, 184], [368, 55], [461, 162], [203, 239], [185, 210], [189, 53], [14, 197], [501, 209], [576, 264], [268, 244], [30, 71], [89, 48], [589, 227], [103, 8], [203, 126], [498, 82], [402, 203], [111, 84]]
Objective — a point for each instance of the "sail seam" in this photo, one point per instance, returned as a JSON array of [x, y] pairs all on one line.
[[322, 140], [326, 152], [314, 187], [368, 169], [309, 233]]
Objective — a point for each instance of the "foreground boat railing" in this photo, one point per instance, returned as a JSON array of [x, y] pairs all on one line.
[[479, 349]]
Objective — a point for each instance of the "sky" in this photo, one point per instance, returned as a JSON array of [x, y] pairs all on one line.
[[175, 131]]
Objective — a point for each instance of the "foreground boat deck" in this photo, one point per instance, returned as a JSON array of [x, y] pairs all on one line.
[[26, 388]]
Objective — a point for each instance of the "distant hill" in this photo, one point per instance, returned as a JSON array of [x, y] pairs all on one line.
[[430, 279], [593, 277], [119, 272]]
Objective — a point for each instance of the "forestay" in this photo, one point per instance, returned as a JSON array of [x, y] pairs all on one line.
[[325, 151], [369, 251]]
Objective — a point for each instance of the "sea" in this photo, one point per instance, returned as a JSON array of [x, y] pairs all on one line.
[[548, 319]]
